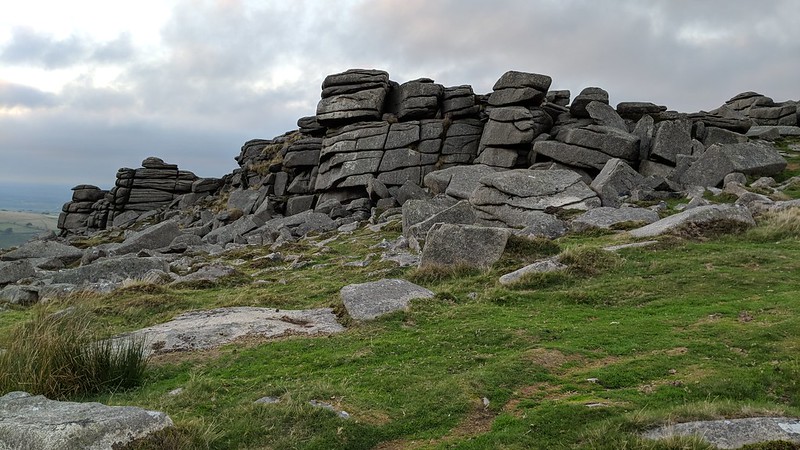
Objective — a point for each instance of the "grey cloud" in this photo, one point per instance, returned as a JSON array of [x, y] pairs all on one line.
[[634, 49], [30, 47], [210, 91], [16, 95]]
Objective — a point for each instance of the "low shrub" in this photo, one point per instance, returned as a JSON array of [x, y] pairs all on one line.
[[60, 356]]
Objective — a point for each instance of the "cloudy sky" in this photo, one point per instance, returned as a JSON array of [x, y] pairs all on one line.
[[88, 86]]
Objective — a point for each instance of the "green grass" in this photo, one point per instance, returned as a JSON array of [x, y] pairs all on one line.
[[619, 342]]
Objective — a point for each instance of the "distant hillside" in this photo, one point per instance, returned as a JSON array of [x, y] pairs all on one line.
[[33, 197], [18, 227]]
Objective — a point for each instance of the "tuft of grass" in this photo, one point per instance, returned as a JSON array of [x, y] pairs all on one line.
[[530, 249], [712, 229], [776, 226], [59, 356], [589, 261], [723, 197]]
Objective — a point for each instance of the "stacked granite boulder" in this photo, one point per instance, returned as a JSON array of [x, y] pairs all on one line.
[[85, 210], [152, 186], [515, 119]]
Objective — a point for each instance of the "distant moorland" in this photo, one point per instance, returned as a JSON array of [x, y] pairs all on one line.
[[17, 227]]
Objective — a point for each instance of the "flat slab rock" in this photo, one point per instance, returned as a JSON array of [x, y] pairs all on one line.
[[198, 330], [368, 301], [696, 216], [734, 433], [35, 422]]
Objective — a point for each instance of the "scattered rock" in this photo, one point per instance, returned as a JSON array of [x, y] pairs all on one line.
[[543, 266], [368, 301]]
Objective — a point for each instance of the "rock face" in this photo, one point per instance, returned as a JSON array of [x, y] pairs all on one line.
[[36, 423], [368, 301], [198, 330]]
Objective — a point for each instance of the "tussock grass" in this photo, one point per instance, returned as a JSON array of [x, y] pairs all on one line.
[[776, 226], [532, 249], [59, 356], [589, 261], [711, 229]]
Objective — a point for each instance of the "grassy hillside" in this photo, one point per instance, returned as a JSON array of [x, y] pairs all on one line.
[[682, 330], [18, 227], [698, 326]]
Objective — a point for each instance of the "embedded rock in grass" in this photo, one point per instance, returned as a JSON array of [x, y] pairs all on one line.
[[606, 217], [34, 422], [209, 274], [110, 269], [730, 216], [733, 433], [542, 266], [450, 245], [199, 330], [368, 301]]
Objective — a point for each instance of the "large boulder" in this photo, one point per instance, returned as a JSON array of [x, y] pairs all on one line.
[[110, 269], [419, 99], [519, 197], [520, 88], [586, 96], [13, 271], [458, 181], [672, 138], [590, 146], [351, 96], [368, 301], [449, 245], [36, 423], [618, 179], [700, 216], [719, 160], [153, 237], [45, 252], [460, 213]]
